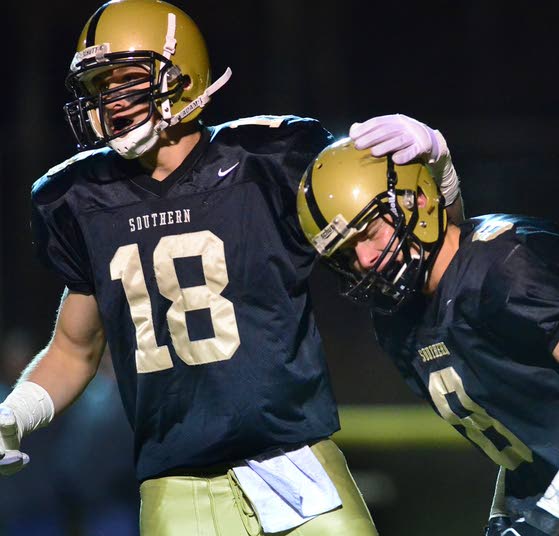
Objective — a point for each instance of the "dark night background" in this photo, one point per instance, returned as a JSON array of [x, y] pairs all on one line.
[[482, 72]]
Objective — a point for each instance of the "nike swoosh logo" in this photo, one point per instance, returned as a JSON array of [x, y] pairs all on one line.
[[224, 172]]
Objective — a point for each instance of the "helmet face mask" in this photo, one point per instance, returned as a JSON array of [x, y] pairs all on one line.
[[123, 34], [395, 274], [344, 193], [88, 114]]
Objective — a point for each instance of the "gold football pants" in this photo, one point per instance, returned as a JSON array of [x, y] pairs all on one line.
[[214, 505]]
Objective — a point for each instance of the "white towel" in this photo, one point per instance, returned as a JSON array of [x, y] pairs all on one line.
[[287, 488]]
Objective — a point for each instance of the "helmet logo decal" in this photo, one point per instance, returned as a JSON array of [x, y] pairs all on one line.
[[392, 179], [392, 201]]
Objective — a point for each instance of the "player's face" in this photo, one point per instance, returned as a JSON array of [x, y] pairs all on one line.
[[368, 245], [125, 104]]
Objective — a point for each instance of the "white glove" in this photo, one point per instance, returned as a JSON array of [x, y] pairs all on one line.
[[11, 459], [404, 137], [408, 140]]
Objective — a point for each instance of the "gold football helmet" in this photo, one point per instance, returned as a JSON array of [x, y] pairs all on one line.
[[156, 36], [343, 190]]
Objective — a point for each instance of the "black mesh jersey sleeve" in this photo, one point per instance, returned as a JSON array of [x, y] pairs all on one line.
[[57, 238], [279, 149], [522, 291], [304, 147]]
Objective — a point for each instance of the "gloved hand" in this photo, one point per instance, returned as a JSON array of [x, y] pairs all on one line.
[[409, 140], [496, 525], [11, 459], [404, 137]]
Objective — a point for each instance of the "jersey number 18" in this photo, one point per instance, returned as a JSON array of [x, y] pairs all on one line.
[[126, 266]]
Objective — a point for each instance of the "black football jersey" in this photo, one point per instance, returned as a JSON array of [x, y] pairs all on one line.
[[201, 281], [480, 349]]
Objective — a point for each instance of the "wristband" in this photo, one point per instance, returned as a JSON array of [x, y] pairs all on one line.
[[444, 172], [32, 406]]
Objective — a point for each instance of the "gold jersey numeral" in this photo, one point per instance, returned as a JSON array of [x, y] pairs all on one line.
[[447, 381], [127, 267]]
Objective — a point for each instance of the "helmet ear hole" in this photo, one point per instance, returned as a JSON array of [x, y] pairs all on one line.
[[422, 199], [187, 84]]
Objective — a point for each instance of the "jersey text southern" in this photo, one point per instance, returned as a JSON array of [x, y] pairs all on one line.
[[169, 217], [433, 351]]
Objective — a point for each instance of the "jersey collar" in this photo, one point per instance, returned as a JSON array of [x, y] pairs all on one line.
[[137, 174]]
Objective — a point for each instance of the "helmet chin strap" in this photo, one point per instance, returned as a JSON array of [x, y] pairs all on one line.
[[198, 102], [136, 142], [144, 138]]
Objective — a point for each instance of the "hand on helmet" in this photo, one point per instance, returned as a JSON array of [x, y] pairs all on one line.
[[404, 137], [11, 459], [409, 140]]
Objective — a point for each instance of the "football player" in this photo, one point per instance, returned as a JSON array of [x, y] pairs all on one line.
[[179, 244], [469, 313]]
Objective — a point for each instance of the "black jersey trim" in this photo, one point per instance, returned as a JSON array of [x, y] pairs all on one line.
[[91, 31], [160, 188], [318, 217]]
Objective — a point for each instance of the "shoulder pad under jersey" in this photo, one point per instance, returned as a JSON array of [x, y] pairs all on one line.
[[60, 177], [78, 157], [265, 121]]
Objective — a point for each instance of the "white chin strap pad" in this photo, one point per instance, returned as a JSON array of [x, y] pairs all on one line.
[[136, 142]]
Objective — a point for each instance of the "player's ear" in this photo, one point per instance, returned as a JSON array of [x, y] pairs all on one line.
[[421, 198]]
